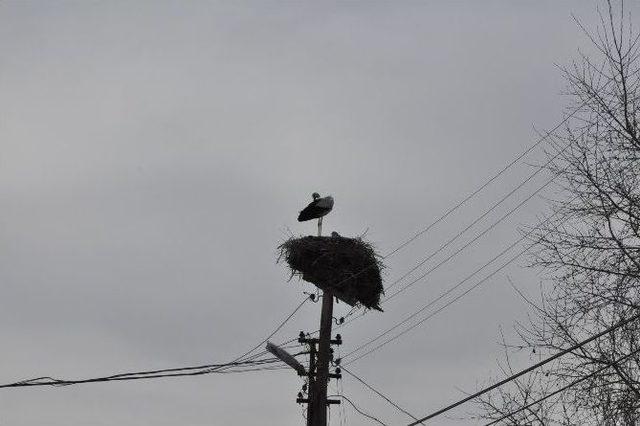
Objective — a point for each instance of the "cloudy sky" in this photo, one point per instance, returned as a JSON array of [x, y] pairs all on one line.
[[153, 154]]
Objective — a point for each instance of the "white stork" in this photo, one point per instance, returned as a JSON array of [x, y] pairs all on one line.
[[319, 207]]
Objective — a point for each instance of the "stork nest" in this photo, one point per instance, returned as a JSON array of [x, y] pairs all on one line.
[[349, 267]]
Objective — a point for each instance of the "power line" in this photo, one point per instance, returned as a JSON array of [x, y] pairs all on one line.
[[445, 306], [477, 237], [386, 342], [460, 283], [355, 407], [487, 183], [449, 303], [479, 218], [493, 225], [142, 375], [528, 369], [564, 388], [433, 302], [273, 333], [380, 394], [230, 367], [454, 254], [484, 185]]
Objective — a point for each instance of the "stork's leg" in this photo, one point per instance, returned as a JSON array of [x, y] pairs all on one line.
[[320, 227]]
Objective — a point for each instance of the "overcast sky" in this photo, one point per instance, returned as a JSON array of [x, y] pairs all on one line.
[[154, 154]]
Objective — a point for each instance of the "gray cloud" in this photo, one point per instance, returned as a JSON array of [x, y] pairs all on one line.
[[153, 154]]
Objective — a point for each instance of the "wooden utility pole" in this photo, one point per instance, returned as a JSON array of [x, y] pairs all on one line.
[[319, 402], [312, 384], [316, 400]]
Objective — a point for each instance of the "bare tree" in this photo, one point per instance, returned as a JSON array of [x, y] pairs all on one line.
[[589, 250]]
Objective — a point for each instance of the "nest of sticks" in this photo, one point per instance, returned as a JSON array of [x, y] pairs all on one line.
[[349, 267]]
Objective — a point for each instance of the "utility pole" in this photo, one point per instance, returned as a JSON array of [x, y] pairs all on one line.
[[319, 403], [311, 374], [319, 377]]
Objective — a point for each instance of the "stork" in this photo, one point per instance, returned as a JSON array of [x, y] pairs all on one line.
[[319, 207]]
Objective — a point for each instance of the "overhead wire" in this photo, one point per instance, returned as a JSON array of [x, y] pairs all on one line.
[[529, 369], [476, 238], [486, 230], [230, 367], [466, 245], [273, 333], [141, 375], [380, 394], [486, 183], [277, 329], [459, 284], [445, 306], [542, 138], [564, 388], [355, 407], [478, 219]]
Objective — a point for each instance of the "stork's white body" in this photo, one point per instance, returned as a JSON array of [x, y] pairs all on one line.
[[319, 207]]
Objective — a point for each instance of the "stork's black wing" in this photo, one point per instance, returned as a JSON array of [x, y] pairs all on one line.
[[312, 211], [316, 209]]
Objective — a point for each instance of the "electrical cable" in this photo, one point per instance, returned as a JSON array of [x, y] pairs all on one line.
[[380, 394], [142, 375], [564, 388], [278, 328], [454, 254], [480, 235], [530, 368], [479, 218], [453, 288], [460, 296], [355, 407], [477, 237], [487, 183], [169, 372], [273, 333]]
